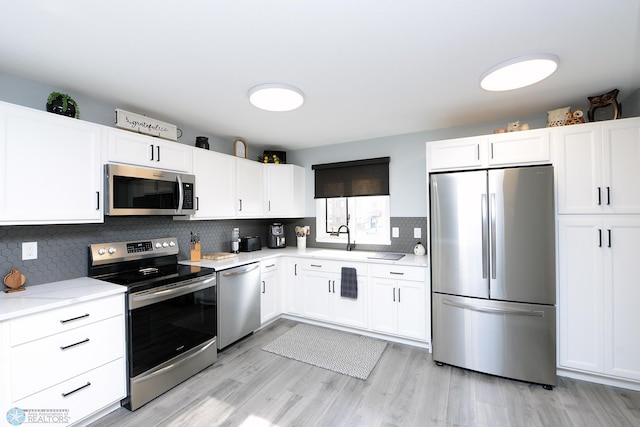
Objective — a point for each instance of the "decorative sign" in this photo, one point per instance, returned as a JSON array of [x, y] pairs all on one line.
[[143, 124]]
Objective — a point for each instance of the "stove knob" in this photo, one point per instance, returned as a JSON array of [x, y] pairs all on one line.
[[158, 245], [112, 250], [165, 245], [172, 243], [102, 251]]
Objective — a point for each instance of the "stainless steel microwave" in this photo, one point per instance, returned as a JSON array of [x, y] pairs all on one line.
[[132, 190]]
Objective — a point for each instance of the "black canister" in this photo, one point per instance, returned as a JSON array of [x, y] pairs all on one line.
[[202, 142]]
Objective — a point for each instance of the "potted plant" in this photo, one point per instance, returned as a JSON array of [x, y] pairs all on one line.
[[61, 103]]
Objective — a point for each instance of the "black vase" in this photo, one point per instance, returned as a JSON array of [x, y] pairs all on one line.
[[56, 107], [202, 142]]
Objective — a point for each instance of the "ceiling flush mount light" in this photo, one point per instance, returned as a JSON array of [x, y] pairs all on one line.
[[519, 72], [276, 97]]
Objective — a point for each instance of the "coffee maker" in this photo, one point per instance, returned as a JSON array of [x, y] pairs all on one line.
[[276, 235]]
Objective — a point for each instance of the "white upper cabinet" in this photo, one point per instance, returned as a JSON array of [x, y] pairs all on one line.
[[50, 168], [249, 189], [522, 147], [284, 190], [215, 184], [142, 150], [457, 153], [512, 148], [598, 168]]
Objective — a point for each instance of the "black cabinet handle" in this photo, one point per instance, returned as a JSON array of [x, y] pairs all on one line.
[[334, 286], [152, 152], [609, 232], [599, 196], [295, 269], [240, 204], [394, 294], [329, 284], [74, 318], [97, 200], [64, 347], [264, 287], [599, 237], [608, 195], [398, 294], [158, 147], [78, 389]]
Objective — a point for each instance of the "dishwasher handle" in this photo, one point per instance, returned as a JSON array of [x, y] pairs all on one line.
[[240, 270]]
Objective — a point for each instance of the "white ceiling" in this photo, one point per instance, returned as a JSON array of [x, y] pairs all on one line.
[[368, 68]]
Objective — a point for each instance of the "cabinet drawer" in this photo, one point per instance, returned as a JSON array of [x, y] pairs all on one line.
[[399, 272], [35, 326], [268, 265], [80, 396], [327, 266], [39, 364]]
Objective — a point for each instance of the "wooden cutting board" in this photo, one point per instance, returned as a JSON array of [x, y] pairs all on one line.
[[14, 280], [216, 256]]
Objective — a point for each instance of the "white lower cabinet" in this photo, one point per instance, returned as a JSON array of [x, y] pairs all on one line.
[[70, 359], [269, 306], [322, 300], [598, 295], [398, 301]]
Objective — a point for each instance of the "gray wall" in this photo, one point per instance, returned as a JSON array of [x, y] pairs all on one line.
[[62, 249]]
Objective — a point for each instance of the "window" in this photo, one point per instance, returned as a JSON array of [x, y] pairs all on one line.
[[367, 219]]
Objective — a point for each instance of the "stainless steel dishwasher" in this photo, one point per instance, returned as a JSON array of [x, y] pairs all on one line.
[[238, 303]]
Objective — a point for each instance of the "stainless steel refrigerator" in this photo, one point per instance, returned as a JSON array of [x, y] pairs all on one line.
[[493, 272]]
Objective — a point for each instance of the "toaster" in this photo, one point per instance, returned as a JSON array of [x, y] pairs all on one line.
[[250, 244]]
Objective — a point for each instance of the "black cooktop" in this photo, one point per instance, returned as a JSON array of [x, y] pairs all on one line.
[[150, 273]]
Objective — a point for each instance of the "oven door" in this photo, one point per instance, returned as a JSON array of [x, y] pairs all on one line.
[[169, 321], [131, 190]]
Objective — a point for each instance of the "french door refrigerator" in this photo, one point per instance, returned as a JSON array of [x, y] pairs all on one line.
[[493, 272]]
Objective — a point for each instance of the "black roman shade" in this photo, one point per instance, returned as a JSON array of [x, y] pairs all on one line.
[[369, 177]]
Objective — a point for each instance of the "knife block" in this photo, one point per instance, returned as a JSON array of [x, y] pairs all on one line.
[[195, 252]]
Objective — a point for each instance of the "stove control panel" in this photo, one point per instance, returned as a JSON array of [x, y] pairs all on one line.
[[105, 253]]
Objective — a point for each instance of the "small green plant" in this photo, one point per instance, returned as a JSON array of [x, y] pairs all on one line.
[[59, 103]]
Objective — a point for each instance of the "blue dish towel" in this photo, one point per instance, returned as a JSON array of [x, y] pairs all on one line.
[[349, 283]]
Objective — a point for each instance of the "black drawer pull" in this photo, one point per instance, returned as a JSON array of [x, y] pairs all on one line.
[[64, 347], [315, 265], [269, 266], [78, 389], [397, 273], [74, 318]]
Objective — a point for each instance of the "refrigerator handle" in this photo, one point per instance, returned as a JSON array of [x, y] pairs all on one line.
[[485, 236], [492, 310], [493, 236]]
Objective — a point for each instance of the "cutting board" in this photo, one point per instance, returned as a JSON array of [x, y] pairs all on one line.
[[216, 256], [14, 280]]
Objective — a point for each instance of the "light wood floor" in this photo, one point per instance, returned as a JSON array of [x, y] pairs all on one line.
[[249, 387]]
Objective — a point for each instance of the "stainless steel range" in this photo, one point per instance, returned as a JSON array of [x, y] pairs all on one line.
[[172, 313]]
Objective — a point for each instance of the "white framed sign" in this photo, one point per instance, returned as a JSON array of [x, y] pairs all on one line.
[[143, 124]]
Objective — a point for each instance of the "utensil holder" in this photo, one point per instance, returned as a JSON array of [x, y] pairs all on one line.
[[301, 242]]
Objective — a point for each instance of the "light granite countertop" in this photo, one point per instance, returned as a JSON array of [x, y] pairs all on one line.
[[54, 295], [313, 253]]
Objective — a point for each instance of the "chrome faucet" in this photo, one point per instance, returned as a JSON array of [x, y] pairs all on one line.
[[337, 233]]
